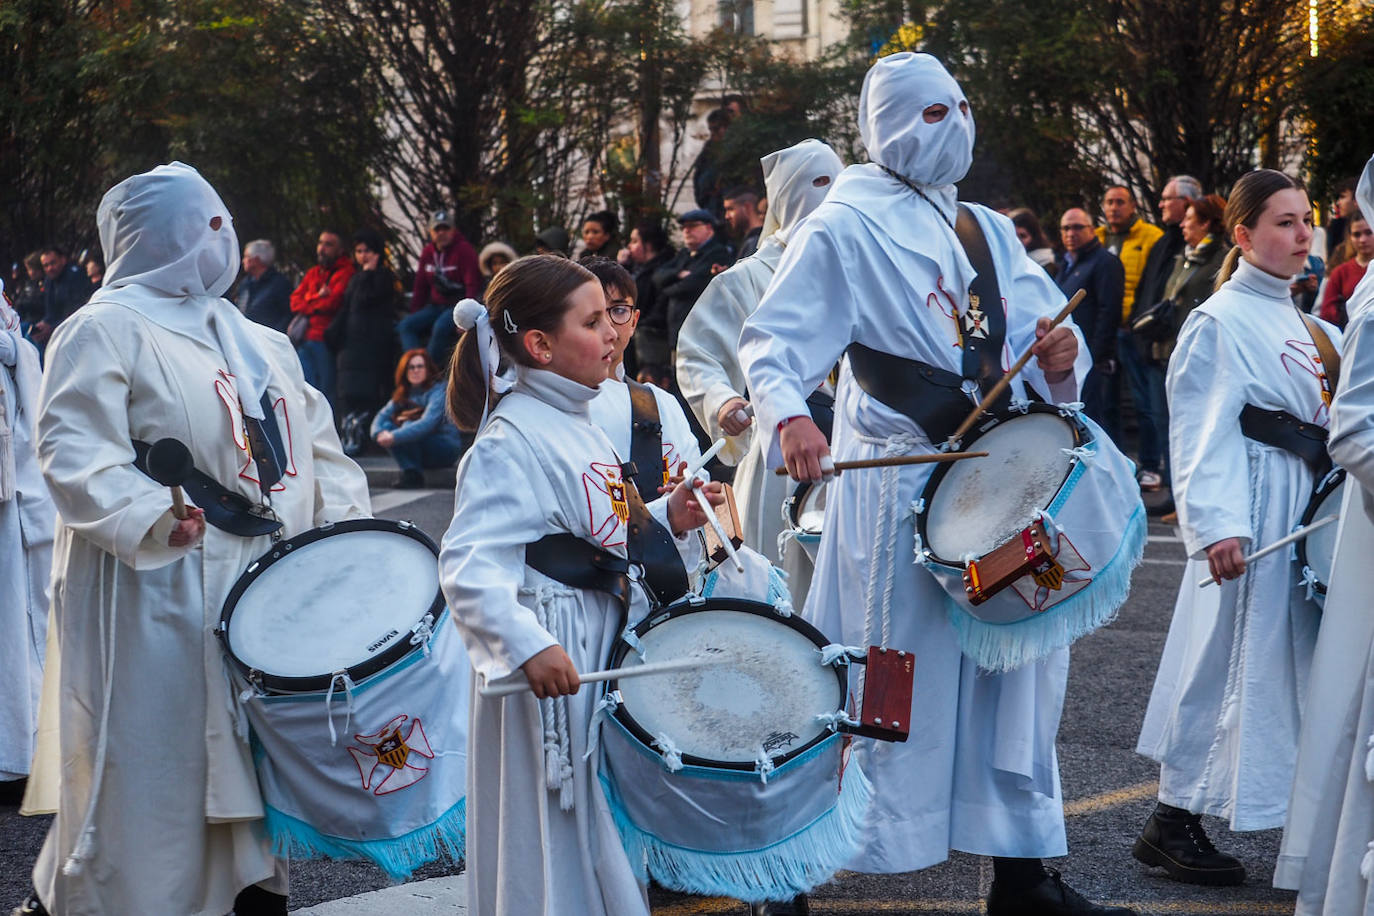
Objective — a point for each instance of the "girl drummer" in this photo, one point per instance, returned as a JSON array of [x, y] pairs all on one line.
[[1246, 385], [540, 837]]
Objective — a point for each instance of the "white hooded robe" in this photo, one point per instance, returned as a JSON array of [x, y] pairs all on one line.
[[980, 772], [150, 759]]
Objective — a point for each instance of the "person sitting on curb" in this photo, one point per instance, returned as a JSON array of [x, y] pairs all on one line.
[[414, 425]]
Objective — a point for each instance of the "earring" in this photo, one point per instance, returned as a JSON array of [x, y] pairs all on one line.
[[546, 356]]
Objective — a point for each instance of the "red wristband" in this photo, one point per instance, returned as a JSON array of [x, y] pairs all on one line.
[[782, 423]]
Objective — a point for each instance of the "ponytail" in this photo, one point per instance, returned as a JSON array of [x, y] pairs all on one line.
[[1228, 267], [531, 294]]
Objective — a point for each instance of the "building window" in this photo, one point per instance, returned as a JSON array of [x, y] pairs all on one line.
[[737, 16]]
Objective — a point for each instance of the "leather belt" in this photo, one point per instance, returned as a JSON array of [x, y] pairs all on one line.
[[1281, 429], [566, 558]]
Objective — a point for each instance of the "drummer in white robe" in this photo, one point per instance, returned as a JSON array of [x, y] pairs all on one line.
[[26, 530], [158, 799], [1327, 841], [541, 838], [878, 263], [708, 369], [1225, 711]]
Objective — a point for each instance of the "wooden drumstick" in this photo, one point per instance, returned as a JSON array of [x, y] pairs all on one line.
[[894, 460], [169, 462], [610, 674], [1281, 542], [996, 391]]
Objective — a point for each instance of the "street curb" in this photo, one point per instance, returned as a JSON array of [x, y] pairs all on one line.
[[382, 474], [435, 897]]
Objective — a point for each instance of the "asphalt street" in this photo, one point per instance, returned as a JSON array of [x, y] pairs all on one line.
[[1108, 788]]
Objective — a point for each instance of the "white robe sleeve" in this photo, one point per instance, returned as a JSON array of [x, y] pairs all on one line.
[[86, 452], [503, 503], [708, 367], [1030, 294], [340, 485], [1352, 413], [1207, 453], [801, 328]]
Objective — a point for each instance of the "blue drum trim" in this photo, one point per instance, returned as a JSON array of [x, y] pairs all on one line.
[[398, 856], [795, 865], [720, 773], [1003, 646]]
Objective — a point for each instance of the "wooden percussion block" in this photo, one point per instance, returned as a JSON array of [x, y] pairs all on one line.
[[888, 683], [728, 513], [1026, 554]]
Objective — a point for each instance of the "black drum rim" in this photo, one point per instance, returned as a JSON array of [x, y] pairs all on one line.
[[1082, 436], [1333, 479], [621, 649], [797, 500], [281, 684]]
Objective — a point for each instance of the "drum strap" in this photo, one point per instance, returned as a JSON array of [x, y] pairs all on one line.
[[1281, 429], [646, 441], [226, 510], [651, 547], [933, 398], [1331, 360], [566, 558]]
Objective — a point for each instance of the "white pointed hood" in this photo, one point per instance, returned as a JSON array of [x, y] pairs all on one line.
[[172, 254], [796, 180], [1363, 296]]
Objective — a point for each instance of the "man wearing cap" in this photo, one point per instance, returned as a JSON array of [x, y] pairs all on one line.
[[447, 272], [684, 278]]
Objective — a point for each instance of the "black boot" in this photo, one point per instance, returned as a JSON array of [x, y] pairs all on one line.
[[1051, 897], [410, 479], [1174, 840], [254, 901], [30, 907], [798, 906]]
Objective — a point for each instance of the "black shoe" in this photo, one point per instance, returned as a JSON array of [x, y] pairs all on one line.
[[1178, 844], [30, 907], [1051, 897], [411, 480], [254, 901], [798, 906], [12, 791]]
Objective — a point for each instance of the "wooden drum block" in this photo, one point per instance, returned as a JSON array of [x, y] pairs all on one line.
[[1027, 554], [887, 695], [728, 513]]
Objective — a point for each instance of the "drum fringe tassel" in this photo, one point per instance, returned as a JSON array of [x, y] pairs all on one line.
[[398, 856], [1002, 647], [796, 865]]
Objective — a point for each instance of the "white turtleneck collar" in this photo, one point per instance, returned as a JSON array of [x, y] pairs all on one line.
[[1259, 282], [555, 390]]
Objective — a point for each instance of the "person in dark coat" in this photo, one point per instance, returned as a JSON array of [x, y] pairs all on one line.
[[65, 289], [649, 250], [683, 279], [1088, 266], [362, 338], [263, 295]]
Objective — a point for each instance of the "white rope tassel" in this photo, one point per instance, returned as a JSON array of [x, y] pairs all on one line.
[[85, 844], [553, 711], [605, 708], [764, 766], [340, 680], [668, 750], [422, 633], [886, 543]]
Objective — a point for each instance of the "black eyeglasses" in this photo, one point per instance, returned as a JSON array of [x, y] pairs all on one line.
[[620, 312], [1074, 227]]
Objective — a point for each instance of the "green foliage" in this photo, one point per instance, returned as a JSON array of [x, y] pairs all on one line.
[[253, 93], [1333, 96]]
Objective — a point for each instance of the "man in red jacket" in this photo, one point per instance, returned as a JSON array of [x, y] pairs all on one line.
[[318, 297], [447, 272]]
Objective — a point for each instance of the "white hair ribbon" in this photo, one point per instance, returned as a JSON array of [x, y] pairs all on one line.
[[471, 315]]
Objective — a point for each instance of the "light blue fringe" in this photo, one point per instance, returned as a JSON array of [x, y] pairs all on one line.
[[779, 595], [397, 856], [1004, 646], [795, 865]]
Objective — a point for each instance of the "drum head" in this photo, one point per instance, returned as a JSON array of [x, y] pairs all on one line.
[[765, 698], [1317, 551], [340, 598], [975, 505]]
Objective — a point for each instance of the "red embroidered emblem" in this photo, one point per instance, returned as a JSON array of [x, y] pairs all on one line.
[[227, 390], [387, 760], [1038, 595], [604, 488]]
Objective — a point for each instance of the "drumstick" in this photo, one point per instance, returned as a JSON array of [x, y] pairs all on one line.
[[705, 457], [996, 391], [169, 463], [932, 458], [678, 664], [1281, 542]]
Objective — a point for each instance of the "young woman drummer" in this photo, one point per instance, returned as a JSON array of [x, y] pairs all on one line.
[[540, 837], [1247, 389]]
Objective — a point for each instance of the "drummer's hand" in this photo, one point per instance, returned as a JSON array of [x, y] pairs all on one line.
[[684, 512], [189, 530], [803, 446], [1225, 559], [732, 424], [1055, 351], [551, 673]]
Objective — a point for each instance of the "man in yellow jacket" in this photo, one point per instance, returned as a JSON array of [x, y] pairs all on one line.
[[1130, 238]]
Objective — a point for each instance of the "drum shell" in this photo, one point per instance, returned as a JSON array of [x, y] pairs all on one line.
[[319, 798], [1316, 551], [792, 509]]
